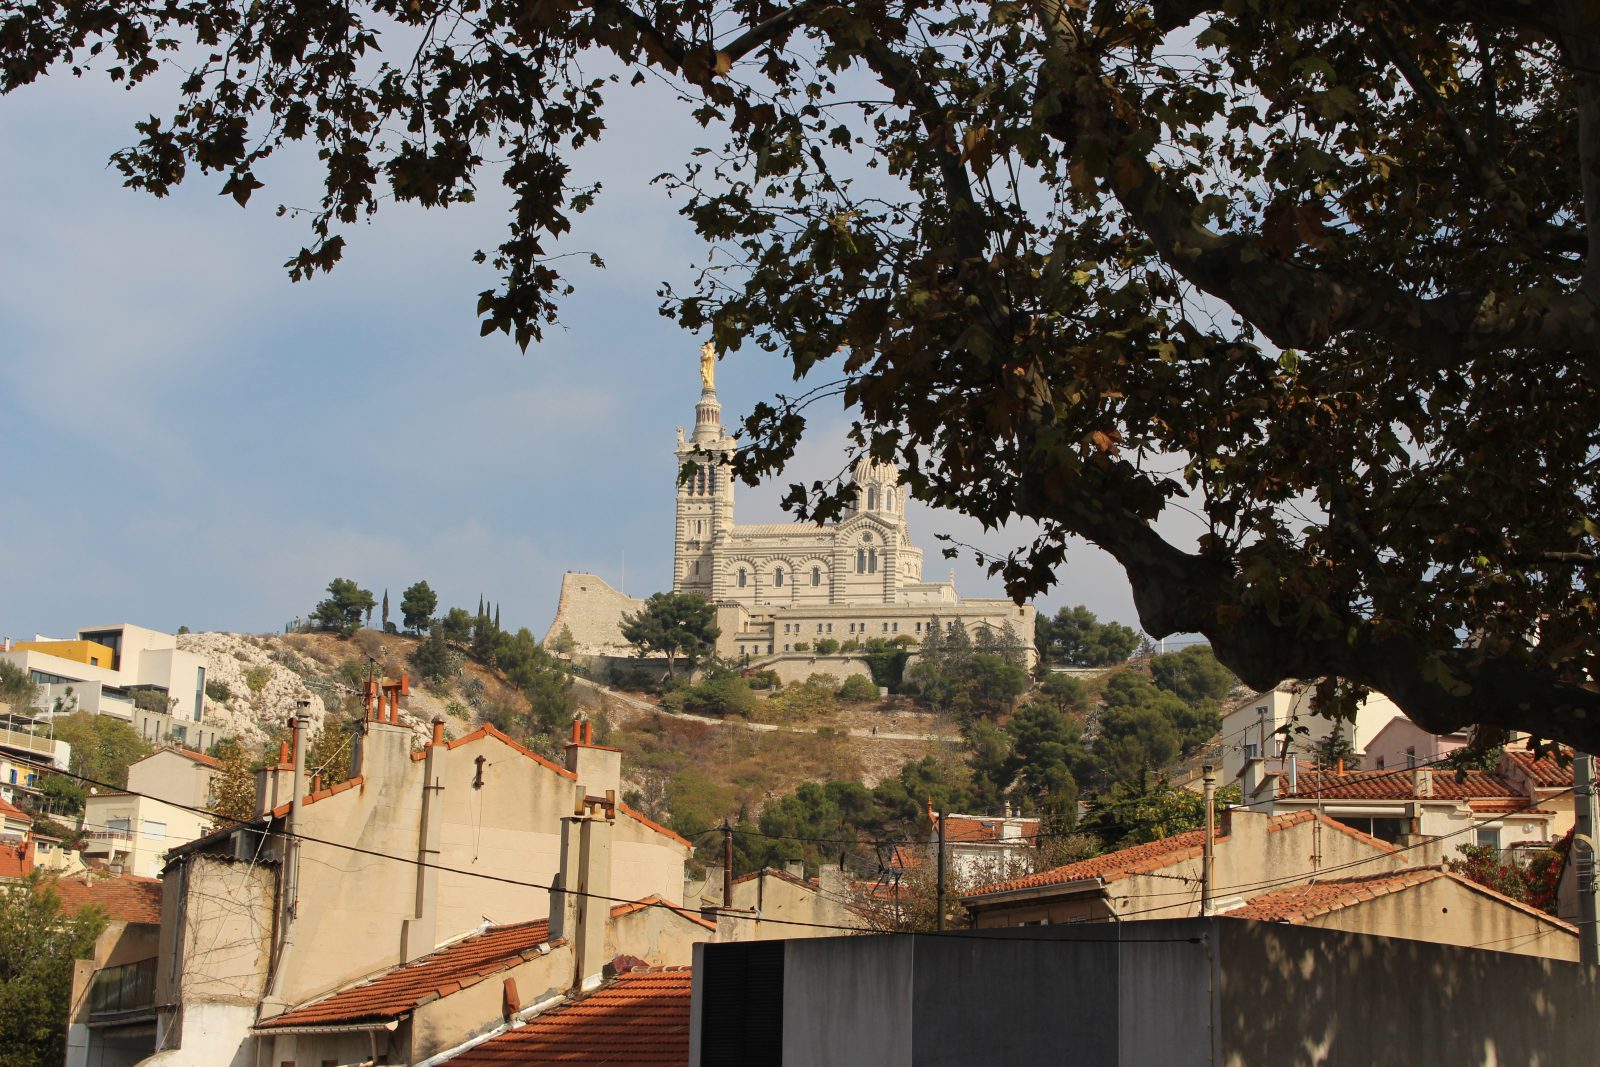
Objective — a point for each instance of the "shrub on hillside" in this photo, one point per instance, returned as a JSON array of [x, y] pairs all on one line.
[[218, 691], [720, 695], [827, 646], [763, 680], [857, 689]]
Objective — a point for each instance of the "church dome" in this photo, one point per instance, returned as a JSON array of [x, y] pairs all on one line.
[[869, 471]]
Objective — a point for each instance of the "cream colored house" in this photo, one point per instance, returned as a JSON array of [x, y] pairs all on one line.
[[1162, 879], [1418, 904], [176, 775], [1416, 807], [1269, 726], [1401, 743], [132, 834], [418, 850]]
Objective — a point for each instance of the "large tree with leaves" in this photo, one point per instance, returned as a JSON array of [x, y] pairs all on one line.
[[673, 625], [1325, 275], [38, 943]]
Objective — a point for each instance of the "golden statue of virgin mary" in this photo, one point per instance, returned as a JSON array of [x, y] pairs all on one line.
[[708, 365]]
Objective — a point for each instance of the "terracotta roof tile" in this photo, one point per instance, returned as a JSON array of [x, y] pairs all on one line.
[[657, 827], [1124, 863], [124, 898], [977, 828], [11, 811], [1395, 785], [1299, 903], [656, 902], [640, 1018], [311, 798], [198, 757], [446, 970], [1546, 772], [401, 989]]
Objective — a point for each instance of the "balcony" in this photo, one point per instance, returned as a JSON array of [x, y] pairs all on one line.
[[119, 990], [107, 842]]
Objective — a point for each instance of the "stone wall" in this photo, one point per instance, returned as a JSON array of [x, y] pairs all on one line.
[[593, 611]]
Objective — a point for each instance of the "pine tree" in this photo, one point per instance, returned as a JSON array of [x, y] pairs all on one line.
[[233, 787]]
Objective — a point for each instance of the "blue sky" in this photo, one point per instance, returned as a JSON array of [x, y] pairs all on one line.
[[194, 440]]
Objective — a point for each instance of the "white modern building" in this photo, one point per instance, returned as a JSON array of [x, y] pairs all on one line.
[[105, 669], [1281, 723]]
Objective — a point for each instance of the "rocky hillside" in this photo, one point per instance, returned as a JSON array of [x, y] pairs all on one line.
[[254, 681]]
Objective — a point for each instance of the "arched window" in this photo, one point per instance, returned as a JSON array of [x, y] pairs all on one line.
[[816, 575], [872, 561], [888, 500], [777, 576], [743, 578], [872, 499], [861, 561]]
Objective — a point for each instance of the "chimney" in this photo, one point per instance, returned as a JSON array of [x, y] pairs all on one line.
[[383, 745], [1422, 781], [275, 782], [580, 904], [599, 769], [1251, 777], [797, 868]]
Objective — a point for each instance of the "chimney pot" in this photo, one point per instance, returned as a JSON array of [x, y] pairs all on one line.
[[438, 731], [283, 752]]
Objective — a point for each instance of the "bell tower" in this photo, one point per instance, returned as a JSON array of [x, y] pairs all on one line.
[[705, 493]]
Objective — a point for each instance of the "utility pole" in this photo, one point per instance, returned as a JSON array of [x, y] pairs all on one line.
[[727, 864], [939, 918], [1208, 857], [1583, 851]]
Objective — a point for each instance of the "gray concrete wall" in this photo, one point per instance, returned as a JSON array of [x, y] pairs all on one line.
[[1292, 996], [1180, 993]]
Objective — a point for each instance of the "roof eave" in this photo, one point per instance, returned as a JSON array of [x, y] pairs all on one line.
[[265, 1028], [1077, 887]]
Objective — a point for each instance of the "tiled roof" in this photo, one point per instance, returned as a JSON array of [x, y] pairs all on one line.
[[640, 1018], [656, 902], [976, 828], [444, 971], [124, 898], [1124, 863], [198, 757], [1299, 904], [11, 811], [438, 974], [1546, 772], [1395, 785], [311, 798]]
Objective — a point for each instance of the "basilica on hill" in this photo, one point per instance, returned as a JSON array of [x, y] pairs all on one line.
[[782, 587]]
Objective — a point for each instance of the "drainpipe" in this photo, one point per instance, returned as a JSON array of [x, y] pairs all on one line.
[[1208, 858], [289, 883], [419, 934], [1583, 851]]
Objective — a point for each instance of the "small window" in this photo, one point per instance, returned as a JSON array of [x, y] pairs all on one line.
[[786, 648], [1380, 763], [152, 828], [872, 499], [872, 561], [895, 627], [777, 577], [816, 575], [743, 579], [830, 627], [1488, 837], [861, 561], [1249, 750]]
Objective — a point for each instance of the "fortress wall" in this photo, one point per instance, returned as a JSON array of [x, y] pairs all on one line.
[[593, 611]]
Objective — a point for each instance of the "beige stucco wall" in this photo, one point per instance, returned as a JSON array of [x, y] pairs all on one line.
[[153, 828], [168, 776], [1448, 913], [508, 828], [1249, 860], [769, 896]]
